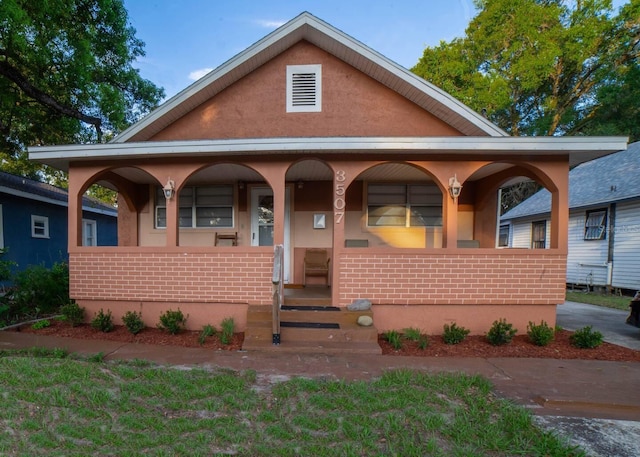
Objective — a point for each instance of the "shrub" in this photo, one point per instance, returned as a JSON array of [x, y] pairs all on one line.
[[41, 324], [501, 332], [423, 342], [103, 321], [412, 334], [38, 289], [133, 321], [72, 313], [454, 334], [586, 338], [541, 334], [227, 328], [207, 331], [172, 321], [394, 338]]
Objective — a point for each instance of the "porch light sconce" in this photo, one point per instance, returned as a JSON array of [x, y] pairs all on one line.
[[168, 189], [454, 187], [240, 185], [300, 184]]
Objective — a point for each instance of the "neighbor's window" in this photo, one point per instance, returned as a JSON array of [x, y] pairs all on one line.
[[200, 207], [89, 232], [402, 205], [304, 88], [39, 226], [503, 236], [538, 234], [595, 225]]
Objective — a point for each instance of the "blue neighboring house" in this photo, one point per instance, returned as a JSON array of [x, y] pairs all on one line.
[[604, 222], [33, 222]]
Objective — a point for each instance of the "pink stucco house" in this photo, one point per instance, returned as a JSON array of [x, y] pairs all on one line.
[[310, 139]]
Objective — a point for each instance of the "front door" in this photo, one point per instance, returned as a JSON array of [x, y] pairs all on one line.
[[262, 218]]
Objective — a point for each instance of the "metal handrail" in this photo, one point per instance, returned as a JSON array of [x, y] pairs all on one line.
[[278, 290]]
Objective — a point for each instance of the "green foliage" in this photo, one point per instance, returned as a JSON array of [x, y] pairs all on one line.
[[87, 50], [172, 321], [44, 323], [227, 327], [586, 338], [207, 331], [501, 332], [5, 266], [41, 290], [394, 338], [540, 334], [96, 358], [133, 321], [103, 321], [423, 342], [72, 313], [543, 67], [412, 334], [453, 334]]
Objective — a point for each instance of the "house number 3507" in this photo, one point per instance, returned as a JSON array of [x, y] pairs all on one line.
[[339, 202]]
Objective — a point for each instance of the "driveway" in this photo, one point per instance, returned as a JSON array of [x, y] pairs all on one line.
[[610, 322]]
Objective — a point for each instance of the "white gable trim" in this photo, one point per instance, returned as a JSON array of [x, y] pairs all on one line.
[[321, 34]]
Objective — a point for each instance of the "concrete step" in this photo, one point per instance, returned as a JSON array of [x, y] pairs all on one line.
[[259, 332]]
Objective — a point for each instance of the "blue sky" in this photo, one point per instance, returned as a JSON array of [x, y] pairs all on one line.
[[185, 37]]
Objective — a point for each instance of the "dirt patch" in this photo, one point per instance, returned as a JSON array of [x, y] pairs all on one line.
[[472, 346], [520, 346]]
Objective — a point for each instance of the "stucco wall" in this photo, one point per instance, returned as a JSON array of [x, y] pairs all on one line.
[[353, 104]]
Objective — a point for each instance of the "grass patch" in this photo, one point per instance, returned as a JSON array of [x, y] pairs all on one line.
[[63, 406], [605, 300]]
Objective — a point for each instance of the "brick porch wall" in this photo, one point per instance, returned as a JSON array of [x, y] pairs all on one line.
[[187, 275], [481, 277]]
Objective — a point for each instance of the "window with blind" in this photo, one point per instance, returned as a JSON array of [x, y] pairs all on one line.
[[595, 226], [538, 234], [402, 205], [503, 236], [199, 207], [304, 88]]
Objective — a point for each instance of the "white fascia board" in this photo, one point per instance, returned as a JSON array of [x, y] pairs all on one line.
[[365, 145]]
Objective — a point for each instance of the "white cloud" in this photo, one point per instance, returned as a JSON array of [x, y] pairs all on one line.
[[197, 74], [270, 24]]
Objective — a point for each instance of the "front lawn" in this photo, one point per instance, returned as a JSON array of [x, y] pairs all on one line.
[[55, 405], [594, 298]]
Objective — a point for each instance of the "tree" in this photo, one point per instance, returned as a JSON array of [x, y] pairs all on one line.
[[66, 75], [543, 67]]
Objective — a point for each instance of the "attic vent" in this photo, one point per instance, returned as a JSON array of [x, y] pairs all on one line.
[[304, 88]]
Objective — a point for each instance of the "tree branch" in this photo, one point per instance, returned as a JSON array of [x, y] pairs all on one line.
[[14, 75]]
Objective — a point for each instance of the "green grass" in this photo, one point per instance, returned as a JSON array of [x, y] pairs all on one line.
[[606, 300], [56, 405]]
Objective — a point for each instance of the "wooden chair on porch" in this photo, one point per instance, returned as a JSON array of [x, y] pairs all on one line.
[[316, 263], [228, 237]]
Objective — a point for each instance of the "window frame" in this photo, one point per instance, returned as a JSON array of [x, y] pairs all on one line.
[[35, 220], [293, 71], [190, 211], [501, 235], [601, 227], [536, 242], [93, 223], [410, 202]]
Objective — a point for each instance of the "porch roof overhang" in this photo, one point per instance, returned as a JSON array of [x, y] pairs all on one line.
[[578, 149]]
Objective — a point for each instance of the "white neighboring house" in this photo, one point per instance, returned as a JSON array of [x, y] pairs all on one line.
[[604, 222]]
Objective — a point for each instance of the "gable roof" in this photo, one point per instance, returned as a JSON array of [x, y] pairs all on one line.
[[309, 28], [605, 180], [35, 190]]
